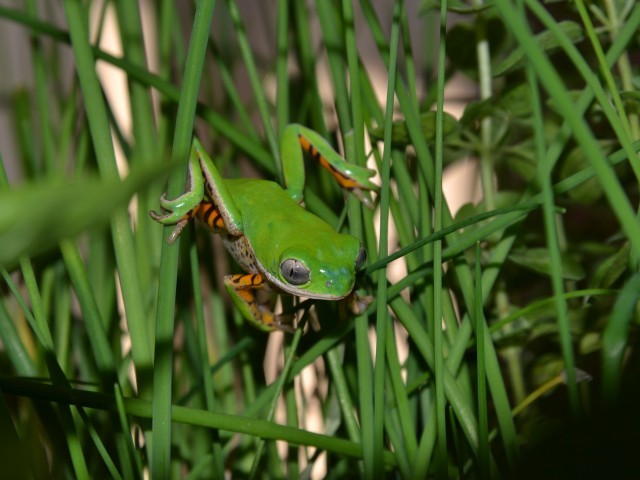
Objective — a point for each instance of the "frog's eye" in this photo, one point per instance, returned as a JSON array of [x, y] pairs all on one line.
[[294, 271], [361, 258]]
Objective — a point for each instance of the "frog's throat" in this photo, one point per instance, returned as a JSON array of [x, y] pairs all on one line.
[[241, 250]]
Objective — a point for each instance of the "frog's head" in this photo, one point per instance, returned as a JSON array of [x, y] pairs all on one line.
[[323, 271]]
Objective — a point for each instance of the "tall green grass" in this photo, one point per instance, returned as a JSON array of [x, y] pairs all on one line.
[[120, 353]]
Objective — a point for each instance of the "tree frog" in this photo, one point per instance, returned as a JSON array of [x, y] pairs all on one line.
[[273, 238]]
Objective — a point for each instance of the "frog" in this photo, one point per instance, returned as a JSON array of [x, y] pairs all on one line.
[[282, 247]]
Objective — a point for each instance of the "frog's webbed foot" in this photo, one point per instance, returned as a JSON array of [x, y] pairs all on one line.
[[242, 290]]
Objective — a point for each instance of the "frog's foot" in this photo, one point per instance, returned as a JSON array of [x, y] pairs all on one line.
[[363, 196], [177, 218], [206, 212], [272, 322], [241, 289], [358, 302]]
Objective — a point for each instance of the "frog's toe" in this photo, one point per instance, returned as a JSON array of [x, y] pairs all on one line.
[[363, 196], [177, 231], [159, 217], [273, 322], [168, 218], [283, 327]]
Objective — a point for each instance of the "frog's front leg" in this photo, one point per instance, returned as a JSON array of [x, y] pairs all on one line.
[[242, 290], [297, 139], [218, 211]]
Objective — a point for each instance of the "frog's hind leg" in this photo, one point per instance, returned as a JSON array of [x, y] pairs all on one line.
[[242, 290]]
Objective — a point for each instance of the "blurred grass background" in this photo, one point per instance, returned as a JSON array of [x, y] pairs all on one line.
[[503, 330]]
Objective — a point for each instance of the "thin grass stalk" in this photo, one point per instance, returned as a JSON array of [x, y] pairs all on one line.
[[279, 385], [483, 422], [613, 90], [233, 95], [131, 464], [392, 430], [16, 351], [55, 286], [282, 74], [42, 102], [101, 347], [485, 82], [256, 86], [162, 372], [292, 411], [624, 65], [347, 408], [406, 423], [203, 354], [544, 179], [307, 61], [440, 406], [379, 404], [334, 45]]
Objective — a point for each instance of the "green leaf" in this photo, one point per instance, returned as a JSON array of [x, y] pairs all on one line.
[[631, 101], [514, 102], [36, 216], [521, 159], [538, 260], [546, 41], [587, 192], [611, 268]]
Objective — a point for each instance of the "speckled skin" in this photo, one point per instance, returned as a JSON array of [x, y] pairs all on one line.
[[241, 251]]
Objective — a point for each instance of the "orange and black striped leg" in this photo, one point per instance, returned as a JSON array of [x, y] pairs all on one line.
[[241, 289], [210, 215], [343, 180]]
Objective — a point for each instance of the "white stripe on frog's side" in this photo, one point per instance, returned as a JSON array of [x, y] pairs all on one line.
[[241, 250]]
